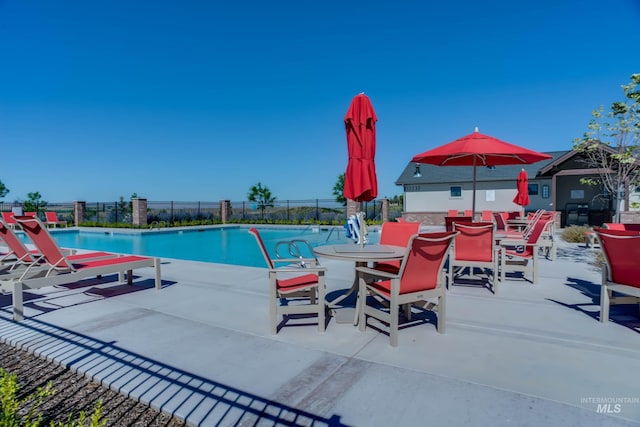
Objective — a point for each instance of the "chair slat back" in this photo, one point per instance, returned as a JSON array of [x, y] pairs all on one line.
[[452, 212], [449, 220], [47, 246], [536, 232], [262, 247], [398, 234], [621, 251], [15, 245], [474, 241], [500, 221], [486, 216], [422, 264]]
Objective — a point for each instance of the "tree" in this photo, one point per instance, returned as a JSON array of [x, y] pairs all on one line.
[[261, 195], [612, 145], [34, 203], [3, 190], [338, 190]]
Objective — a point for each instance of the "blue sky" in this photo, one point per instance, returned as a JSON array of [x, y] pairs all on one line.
[[199, 100]]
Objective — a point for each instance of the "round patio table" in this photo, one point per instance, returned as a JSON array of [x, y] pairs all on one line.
[[361, 255]]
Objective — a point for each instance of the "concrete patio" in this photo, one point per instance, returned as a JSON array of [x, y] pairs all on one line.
[[200, 348]]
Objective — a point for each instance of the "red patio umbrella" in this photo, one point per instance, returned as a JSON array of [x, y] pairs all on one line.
[[360, 182], [479, 149], [522, 196]]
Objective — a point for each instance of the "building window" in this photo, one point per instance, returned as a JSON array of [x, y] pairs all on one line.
[[545, 191], [455, 191], [533, 189]]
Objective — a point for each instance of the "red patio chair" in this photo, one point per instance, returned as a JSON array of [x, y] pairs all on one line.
[[526, 261], [501, 224], [621, 250], [474, 248], [396, 234], [449, 220], [302, 285], [452, 212], [421, 276]]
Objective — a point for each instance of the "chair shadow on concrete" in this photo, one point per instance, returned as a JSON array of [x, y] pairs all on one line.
[[190, 397], [419, 316], [627, 315], [52, 298]]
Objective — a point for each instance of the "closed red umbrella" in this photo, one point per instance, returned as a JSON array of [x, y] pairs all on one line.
[[479, 149], [522, 196], [360, 182]]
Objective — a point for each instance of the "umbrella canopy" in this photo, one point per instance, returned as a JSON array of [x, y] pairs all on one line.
[[360, 182], [522, 196], [479, 149]]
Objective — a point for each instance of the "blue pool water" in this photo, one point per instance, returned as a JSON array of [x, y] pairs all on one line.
[[231, 245]]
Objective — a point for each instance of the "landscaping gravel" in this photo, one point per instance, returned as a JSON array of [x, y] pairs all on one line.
[[76, 393]]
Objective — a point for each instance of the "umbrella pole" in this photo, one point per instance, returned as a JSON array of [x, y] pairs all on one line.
[[361, 215], [473, 203]]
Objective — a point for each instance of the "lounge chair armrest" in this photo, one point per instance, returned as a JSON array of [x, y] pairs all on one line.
[[293, 260], [376, 273], [298, 270], [512, 242]]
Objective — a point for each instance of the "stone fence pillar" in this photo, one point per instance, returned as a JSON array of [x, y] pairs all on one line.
[[384, 203], [79, 212], [225, 210], [139, 212]]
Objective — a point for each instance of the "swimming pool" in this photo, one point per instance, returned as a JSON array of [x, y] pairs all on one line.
[[226, 245]]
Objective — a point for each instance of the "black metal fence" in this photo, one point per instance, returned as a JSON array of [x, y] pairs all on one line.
[[323, 211]]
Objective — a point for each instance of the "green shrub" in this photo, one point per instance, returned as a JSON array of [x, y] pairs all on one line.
[[574, 233], [16, 412]]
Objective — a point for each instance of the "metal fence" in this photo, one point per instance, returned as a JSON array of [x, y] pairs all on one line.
[[324, 211]]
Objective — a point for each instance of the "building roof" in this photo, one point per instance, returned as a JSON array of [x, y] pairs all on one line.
[[432, 174]]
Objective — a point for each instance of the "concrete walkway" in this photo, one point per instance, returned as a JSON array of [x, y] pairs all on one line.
[[200, 348]]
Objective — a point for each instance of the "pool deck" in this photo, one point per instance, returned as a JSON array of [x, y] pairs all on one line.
[[200, 348]]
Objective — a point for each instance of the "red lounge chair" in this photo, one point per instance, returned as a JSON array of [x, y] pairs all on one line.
[[487, 216], [526, 261], [621, 251], [52, 219], [468, 212], [60, 269], [18, 255], [396, 234], [310, 286], [421, 276], [452, 212], [474, 247], [9, 219]]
